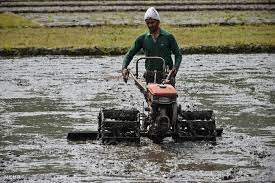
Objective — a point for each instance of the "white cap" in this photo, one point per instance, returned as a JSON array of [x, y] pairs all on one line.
[[151, 13]]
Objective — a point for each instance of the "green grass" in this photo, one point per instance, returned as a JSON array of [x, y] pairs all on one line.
[[10, 20], [123, 36]]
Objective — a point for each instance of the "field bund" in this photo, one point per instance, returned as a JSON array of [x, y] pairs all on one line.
[[21, 36]]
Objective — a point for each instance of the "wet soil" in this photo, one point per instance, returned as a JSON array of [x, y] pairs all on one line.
[[44, 98], [31, 51]]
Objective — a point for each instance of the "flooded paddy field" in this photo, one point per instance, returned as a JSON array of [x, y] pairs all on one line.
[[167, 17], [44, 98]]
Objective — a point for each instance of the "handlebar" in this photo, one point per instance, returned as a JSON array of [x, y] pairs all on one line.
[[142, 58]]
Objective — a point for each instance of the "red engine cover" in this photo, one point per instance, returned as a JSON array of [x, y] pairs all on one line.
[[161, 90]]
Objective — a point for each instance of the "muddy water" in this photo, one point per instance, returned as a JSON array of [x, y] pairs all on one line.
[[43, 98]]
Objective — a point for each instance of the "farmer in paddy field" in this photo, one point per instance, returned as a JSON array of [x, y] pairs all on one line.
[[156, 42]]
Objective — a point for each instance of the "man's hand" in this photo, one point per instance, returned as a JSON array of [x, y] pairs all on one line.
[[125, 74], [174, 72]]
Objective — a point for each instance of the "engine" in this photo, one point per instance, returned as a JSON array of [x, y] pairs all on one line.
[[162, 103]]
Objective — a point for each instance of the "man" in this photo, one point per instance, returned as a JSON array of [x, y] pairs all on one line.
[[155, 43]]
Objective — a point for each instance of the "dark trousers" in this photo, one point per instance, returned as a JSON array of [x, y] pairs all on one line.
[[160, 76]]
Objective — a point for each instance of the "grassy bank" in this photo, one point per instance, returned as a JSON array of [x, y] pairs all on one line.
[[11, 20], [23, 36], [123, 36]]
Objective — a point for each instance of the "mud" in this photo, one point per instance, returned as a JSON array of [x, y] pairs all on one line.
[[31, 51], [196, 115], [123, 114], [44, 98]]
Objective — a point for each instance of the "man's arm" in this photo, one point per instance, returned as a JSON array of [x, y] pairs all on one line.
[[176, 51], [137, 45]]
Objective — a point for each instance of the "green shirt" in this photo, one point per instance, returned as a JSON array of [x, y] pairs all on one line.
[[164, 46]]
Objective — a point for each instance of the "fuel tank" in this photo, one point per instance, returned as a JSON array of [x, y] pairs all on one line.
[[161, 90]]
